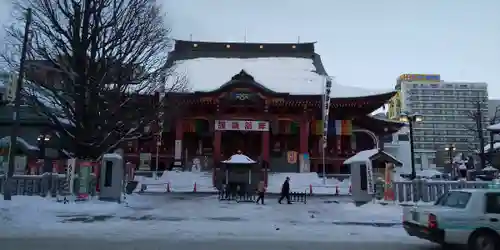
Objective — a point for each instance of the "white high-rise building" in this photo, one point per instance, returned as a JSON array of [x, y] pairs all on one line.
[[447, 109]]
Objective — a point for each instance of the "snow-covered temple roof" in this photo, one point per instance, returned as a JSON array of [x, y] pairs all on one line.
[[285, 68], [494, 127], [367, 155]]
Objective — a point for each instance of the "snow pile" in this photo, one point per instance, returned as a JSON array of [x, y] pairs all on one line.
[[5, 142], [298, 73], [300, 182], [200, 218], [178, 182], [371, 212], [494, 127]]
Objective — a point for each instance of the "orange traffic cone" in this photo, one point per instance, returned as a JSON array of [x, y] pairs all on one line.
[[336, 190], [310, 189], [194, 188]]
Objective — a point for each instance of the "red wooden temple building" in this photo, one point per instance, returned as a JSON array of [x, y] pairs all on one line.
[[264, 100]]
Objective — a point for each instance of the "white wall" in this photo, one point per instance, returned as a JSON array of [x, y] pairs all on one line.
[[401, 150]]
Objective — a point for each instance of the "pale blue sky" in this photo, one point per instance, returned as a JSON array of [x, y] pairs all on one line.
[[363, 43]]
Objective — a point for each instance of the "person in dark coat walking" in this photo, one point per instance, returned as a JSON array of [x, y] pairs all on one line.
[[261, 190], [285, 191]]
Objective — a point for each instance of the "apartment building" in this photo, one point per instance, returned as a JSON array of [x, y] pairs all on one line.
[[446, 108], [4, 81]]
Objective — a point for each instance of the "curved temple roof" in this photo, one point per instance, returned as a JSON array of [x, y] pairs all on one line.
[[286, 68]]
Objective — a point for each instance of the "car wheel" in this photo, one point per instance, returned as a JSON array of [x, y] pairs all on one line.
[[484, 240]]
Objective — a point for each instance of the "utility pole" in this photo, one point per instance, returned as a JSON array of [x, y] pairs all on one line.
[[480, 133], [7, 195]]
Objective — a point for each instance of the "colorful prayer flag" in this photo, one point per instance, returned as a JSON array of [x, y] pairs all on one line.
[[317, 127], [343, 127], [194, 126]]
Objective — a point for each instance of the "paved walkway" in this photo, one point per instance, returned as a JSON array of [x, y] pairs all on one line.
[[163, 244]]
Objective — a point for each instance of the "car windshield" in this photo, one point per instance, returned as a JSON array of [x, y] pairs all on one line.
[[454, 199]]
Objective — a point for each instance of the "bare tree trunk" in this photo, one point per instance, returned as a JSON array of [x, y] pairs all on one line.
[[97, 65]]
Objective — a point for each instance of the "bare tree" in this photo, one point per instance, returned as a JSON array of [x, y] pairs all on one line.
[[477, 129], [94, 68]]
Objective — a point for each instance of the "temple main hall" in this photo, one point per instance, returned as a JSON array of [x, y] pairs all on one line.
[[265, 101]]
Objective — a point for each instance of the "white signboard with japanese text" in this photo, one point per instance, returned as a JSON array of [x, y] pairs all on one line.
[[237, 125], [70, 174], [369, 178]]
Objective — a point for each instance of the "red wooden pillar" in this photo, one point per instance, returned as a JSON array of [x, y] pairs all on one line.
[[265, 146], [304, 137], [217, 146], [216, 154], [265, 153], [179, 134]]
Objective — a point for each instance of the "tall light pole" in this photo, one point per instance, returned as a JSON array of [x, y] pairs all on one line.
[[411, 119], [450, 149], [7, 194]]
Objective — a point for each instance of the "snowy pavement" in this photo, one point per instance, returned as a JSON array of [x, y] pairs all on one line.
[[191, 218], [159, 244]]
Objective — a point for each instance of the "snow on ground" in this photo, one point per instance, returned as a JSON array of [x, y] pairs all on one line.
[[199, 218], [178, 182], [299, 182]]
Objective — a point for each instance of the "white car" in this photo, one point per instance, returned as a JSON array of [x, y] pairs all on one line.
[[467, 217]]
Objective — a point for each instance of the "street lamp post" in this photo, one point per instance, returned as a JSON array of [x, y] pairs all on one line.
[[411, 119], [450, 149], [42, 140]]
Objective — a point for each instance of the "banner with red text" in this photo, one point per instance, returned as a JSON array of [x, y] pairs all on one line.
[[237, 125]]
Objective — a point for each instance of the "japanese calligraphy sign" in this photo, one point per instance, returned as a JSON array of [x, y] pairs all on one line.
[[326, 109], [237, 125]]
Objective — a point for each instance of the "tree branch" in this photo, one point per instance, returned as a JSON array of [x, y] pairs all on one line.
[[95, 67]]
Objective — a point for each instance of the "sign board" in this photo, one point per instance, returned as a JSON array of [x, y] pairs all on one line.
[[84, 178], [144, 161], [291, 157], [369, 179], [20, 163], [305, 165], [420, 77], [10, 92], [326, 110], [70, 174], [238, 125]]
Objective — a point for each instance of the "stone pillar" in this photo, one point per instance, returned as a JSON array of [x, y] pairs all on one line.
[[179, 134], [304, 137]]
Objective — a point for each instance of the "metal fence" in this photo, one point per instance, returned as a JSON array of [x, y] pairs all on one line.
[[424, 190], [252, 197], [43, 185]]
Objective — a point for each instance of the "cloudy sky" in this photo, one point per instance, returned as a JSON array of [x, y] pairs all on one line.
[[363, 43]]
